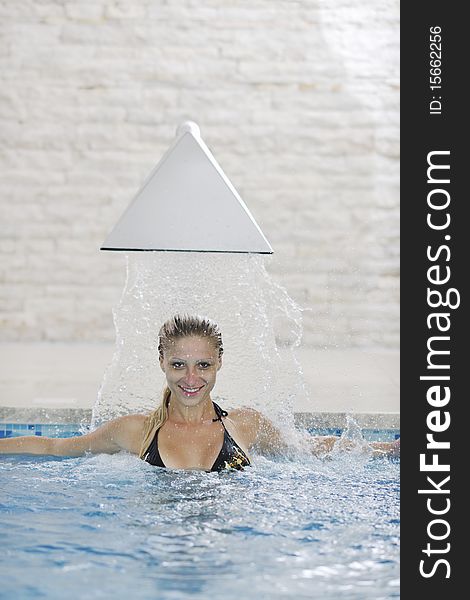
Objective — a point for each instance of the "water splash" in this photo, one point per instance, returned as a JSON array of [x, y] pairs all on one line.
[[351, 449], [261, 328]]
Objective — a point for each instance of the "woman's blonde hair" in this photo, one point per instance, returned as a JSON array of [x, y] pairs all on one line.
[[179, 326]]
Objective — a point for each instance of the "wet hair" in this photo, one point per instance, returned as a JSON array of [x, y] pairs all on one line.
[[176, 328], [181, 326]]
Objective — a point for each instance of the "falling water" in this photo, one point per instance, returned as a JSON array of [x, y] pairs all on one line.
[[260, 325]]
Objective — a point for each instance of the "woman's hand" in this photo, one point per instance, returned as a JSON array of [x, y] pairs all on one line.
[[386, 448], [325, 444]]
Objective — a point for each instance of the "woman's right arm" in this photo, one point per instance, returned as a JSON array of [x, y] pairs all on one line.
[[123, 433]]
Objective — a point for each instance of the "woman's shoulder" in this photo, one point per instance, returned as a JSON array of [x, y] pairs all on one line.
[[128, 431], [132, 420], [248, 421], [242, 424], [258, 429], [245, 415]]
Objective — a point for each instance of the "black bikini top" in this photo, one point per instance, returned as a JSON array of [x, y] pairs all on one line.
[[231, 456]]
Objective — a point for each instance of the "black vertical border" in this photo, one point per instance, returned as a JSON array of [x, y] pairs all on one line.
[[422, 132]]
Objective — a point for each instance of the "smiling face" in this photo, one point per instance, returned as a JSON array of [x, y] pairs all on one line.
[[190, 365]]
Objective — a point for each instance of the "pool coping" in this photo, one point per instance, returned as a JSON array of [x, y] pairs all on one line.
[[302, 419]]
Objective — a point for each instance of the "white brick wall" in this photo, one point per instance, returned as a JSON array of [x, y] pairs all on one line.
[[297, 99]]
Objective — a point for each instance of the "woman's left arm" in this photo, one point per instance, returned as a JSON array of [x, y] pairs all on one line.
[[324, 444], [262, 435]]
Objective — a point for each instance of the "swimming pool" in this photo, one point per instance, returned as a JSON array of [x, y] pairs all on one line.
[[71, 429], [113, 526]]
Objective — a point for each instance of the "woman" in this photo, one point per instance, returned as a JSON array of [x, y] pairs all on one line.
[[188, 430]]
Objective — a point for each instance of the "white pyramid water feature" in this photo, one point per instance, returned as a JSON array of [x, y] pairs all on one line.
[[187, 204], [208, 260]]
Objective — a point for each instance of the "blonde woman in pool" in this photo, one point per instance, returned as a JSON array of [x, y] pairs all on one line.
[[188, 430]]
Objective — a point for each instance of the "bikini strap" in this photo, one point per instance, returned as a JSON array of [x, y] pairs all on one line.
[[220, 412]]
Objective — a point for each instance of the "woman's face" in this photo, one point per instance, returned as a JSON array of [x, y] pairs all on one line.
[[190, 365]]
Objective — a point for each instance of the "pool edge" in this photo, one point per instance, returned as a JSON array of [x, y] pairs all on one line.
[[303, 419]]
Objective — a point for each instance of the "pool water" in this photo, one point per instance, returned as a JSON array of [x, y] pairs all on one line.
[[116, 527]]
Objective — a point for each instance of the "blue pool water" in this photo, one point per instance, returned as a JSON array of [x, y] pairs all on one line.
[[115, 527]]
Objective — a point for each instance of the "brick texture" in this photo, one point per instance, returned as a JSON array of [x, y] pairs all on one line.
[[298, 101]]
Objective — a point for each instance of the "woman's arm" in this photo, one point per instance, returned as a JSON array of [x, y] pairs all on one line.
[[260, 434], [386, 448], [323, 444], [124, 433]]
